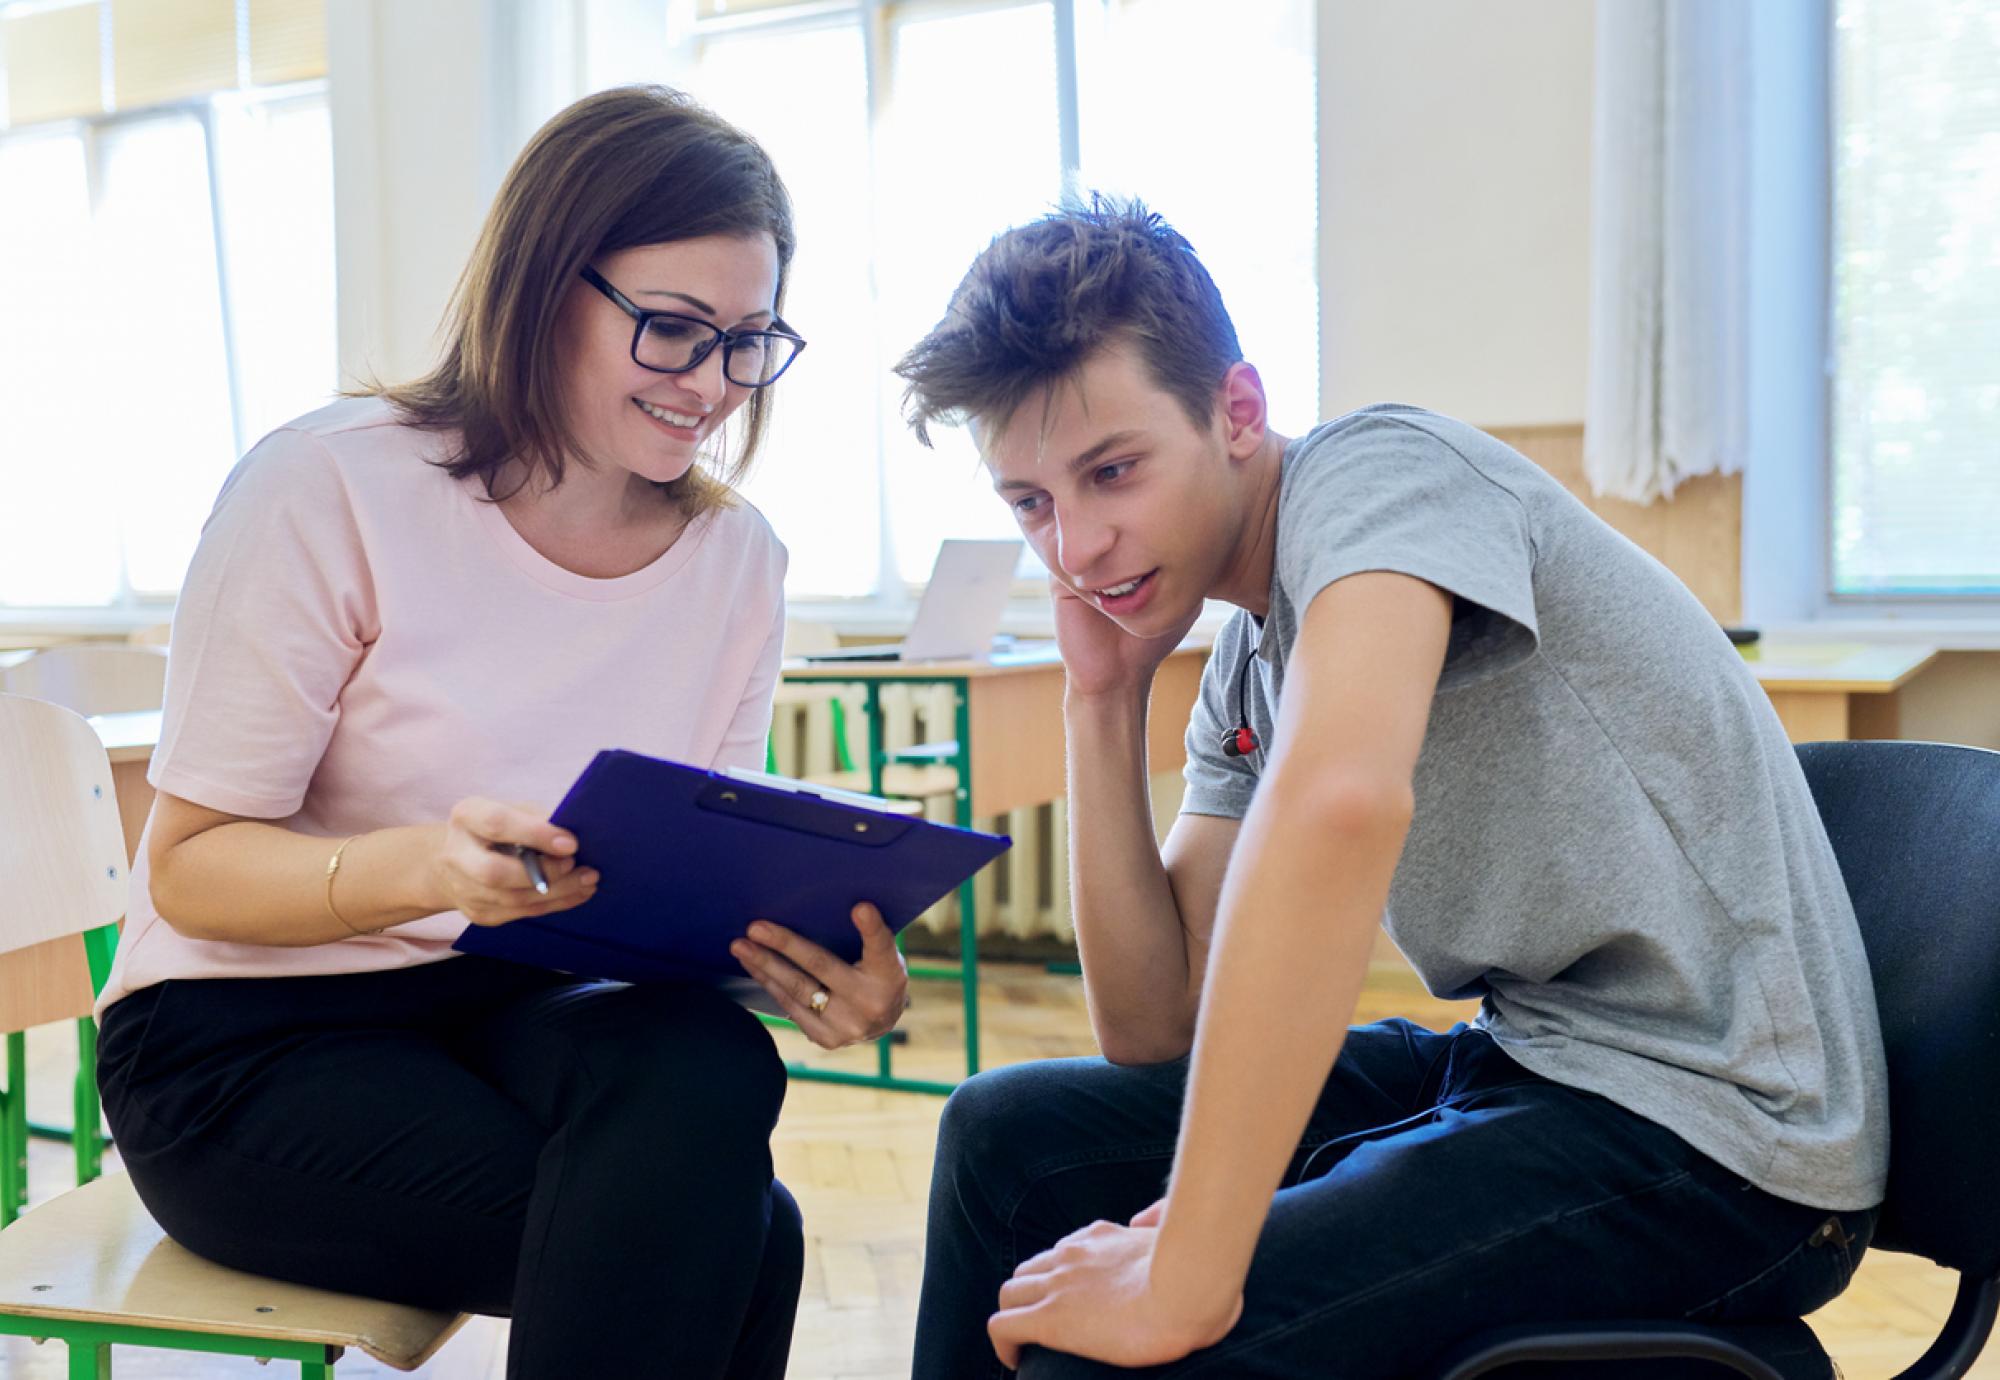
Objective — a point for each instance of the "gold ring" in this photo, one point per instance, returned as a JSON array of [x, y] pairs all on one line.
[[818, 1000]]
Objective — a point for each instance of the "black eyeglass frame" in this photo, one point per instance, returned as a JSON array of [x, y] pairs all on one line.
[[641, 318]]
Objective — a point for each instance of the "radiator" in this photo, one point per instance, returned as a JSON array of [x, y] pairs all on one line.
[[1025, 891]]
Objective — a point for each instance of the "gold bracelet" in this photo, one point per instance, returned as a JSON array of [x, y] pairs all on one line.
[[333, 870]]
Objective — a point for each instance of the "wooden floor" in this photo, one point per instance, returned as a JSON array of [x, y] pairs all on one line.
[[859, 1163]]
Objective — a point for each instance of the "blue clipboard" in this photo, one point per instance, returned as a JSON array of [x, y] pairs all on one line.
[[688, 858]]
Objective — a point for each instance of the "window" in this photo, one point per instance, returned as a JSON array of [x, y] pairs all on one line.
[[911, 133], [1916, 299], [166, 276]]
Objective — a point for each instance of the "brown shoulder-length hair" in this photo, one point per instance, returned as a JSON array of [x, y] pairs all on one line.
[[630, 166]]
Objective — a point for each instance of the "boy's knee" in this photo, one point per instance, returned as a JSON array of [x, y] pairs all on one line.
[[1039, 1363], [982, 1115]]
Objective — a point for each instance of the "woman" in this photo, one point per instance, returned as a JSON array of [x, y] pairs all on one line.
[[407, 612]]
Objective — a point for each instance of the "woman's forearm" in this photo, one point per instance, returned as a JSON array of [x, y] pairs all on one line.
[[249, 882]]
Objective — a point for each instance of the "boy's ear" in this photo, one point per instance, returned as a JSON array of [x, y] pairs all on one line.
[[1245, 415]]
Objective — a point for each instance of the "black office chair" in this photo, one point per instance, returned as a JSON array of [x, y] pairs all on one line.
[[1916, 827]]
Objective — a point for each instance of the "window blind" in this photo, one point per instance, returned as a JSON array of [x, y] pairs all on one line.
[[75, 61], [1916, 298]]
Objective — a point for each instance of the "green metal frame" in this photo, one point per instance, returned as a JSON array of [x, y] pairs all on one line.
[[90, 1345], [14, 1131], [966, 972], [100, 946]]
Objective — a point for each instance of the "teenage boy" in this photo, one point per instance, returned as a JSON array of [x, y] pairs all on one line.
[[1453, 702]]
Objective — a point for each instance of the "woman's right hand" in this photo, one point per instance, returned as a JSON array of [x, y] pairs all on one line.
[[491, 888]]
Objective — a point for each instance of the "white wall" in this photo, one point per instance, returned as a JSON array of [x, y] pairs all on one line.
[[431, 100], [1455, 206], [410, 98]]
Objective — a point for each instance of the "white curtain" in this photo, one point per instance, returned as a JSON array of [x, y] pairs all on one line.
[[1669, 245]]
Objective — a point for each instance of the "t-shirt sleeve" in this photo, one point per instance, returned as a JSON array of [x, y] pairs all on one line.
[[1218, 784], [1383, 494], [276, 612], [751, 726]]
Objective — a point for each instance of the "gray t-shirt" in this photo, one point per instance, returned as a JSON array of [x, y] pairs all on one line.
[[1613, 844]]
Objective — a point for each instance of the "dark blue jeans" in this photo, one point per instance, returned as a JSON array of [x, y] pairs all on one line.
[[1440, 1190]]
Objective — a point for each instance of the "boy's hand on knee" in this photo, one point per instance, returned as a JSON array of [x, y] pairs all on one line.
[[1092, 1295]]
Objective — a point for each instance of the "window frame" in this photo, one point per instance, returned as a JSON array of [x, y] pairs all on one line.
[[893, 596], [1835, 604], [134, 607], [1786, 540]]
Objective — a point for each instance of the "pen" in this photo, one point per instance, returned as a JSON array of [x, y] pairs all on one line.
[[531, 860]]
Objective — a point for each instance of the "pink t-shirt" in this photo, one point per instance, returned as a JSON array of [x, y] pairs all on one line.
[[362, 641]]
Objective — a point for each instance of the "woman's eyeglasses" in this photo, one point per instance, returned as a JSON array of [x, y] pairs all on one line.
[[668, 343]]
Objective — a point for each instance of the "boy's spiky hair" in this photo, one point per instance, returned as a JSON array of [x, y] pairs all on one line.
[[1044, 297]]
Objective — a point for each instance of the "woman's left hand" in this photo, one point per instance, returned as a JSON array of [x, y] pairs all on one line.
[[863, 999]]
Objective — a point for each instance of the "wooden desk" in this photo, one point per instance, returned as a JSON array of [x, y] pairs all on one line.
[[129, 740], [1836, 690], [1011, 723], [1007, 750], [25, 642]]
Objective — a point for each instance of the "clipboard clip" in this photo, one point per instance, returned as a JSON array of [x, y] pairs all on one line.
[[808, 814]]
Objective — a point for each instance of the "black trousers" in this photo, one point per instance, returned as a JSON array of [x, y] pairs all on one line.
[[590, 1159]]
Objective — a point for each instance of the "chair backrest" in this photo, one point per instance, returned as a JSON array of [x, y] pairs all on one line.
[[62, 849], [92, 678], [1916, 827]]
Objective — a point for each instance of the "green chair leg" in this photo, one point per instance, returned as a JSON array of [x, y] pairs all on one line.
[[87, 1138], [315, 1370], [100, 947], [90, 1361], [14, 1131]]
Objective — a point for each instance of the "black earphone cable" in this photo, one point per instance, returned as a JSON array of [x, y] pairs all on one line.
[[1241, 740]]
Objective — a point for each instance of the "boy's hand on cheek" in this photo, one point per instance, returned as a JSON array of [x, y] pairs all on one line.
[[1100, 657]]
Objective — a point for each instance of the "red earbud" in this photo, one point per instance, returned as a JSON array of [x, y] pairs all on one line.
[[1239, 742]]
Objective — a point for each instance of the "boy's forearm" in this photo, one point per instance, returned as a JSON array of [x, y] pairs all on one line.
[[1298, 917], [1129, 931]]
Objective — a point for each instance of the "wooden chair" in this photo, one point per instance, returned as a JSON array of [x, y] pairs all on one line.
[[91, 1267], [92, 678], [89, 678], [62, 890]]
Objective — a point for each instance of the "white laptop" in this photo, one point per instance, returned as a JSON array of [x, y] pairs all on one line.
[[960, 611]]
